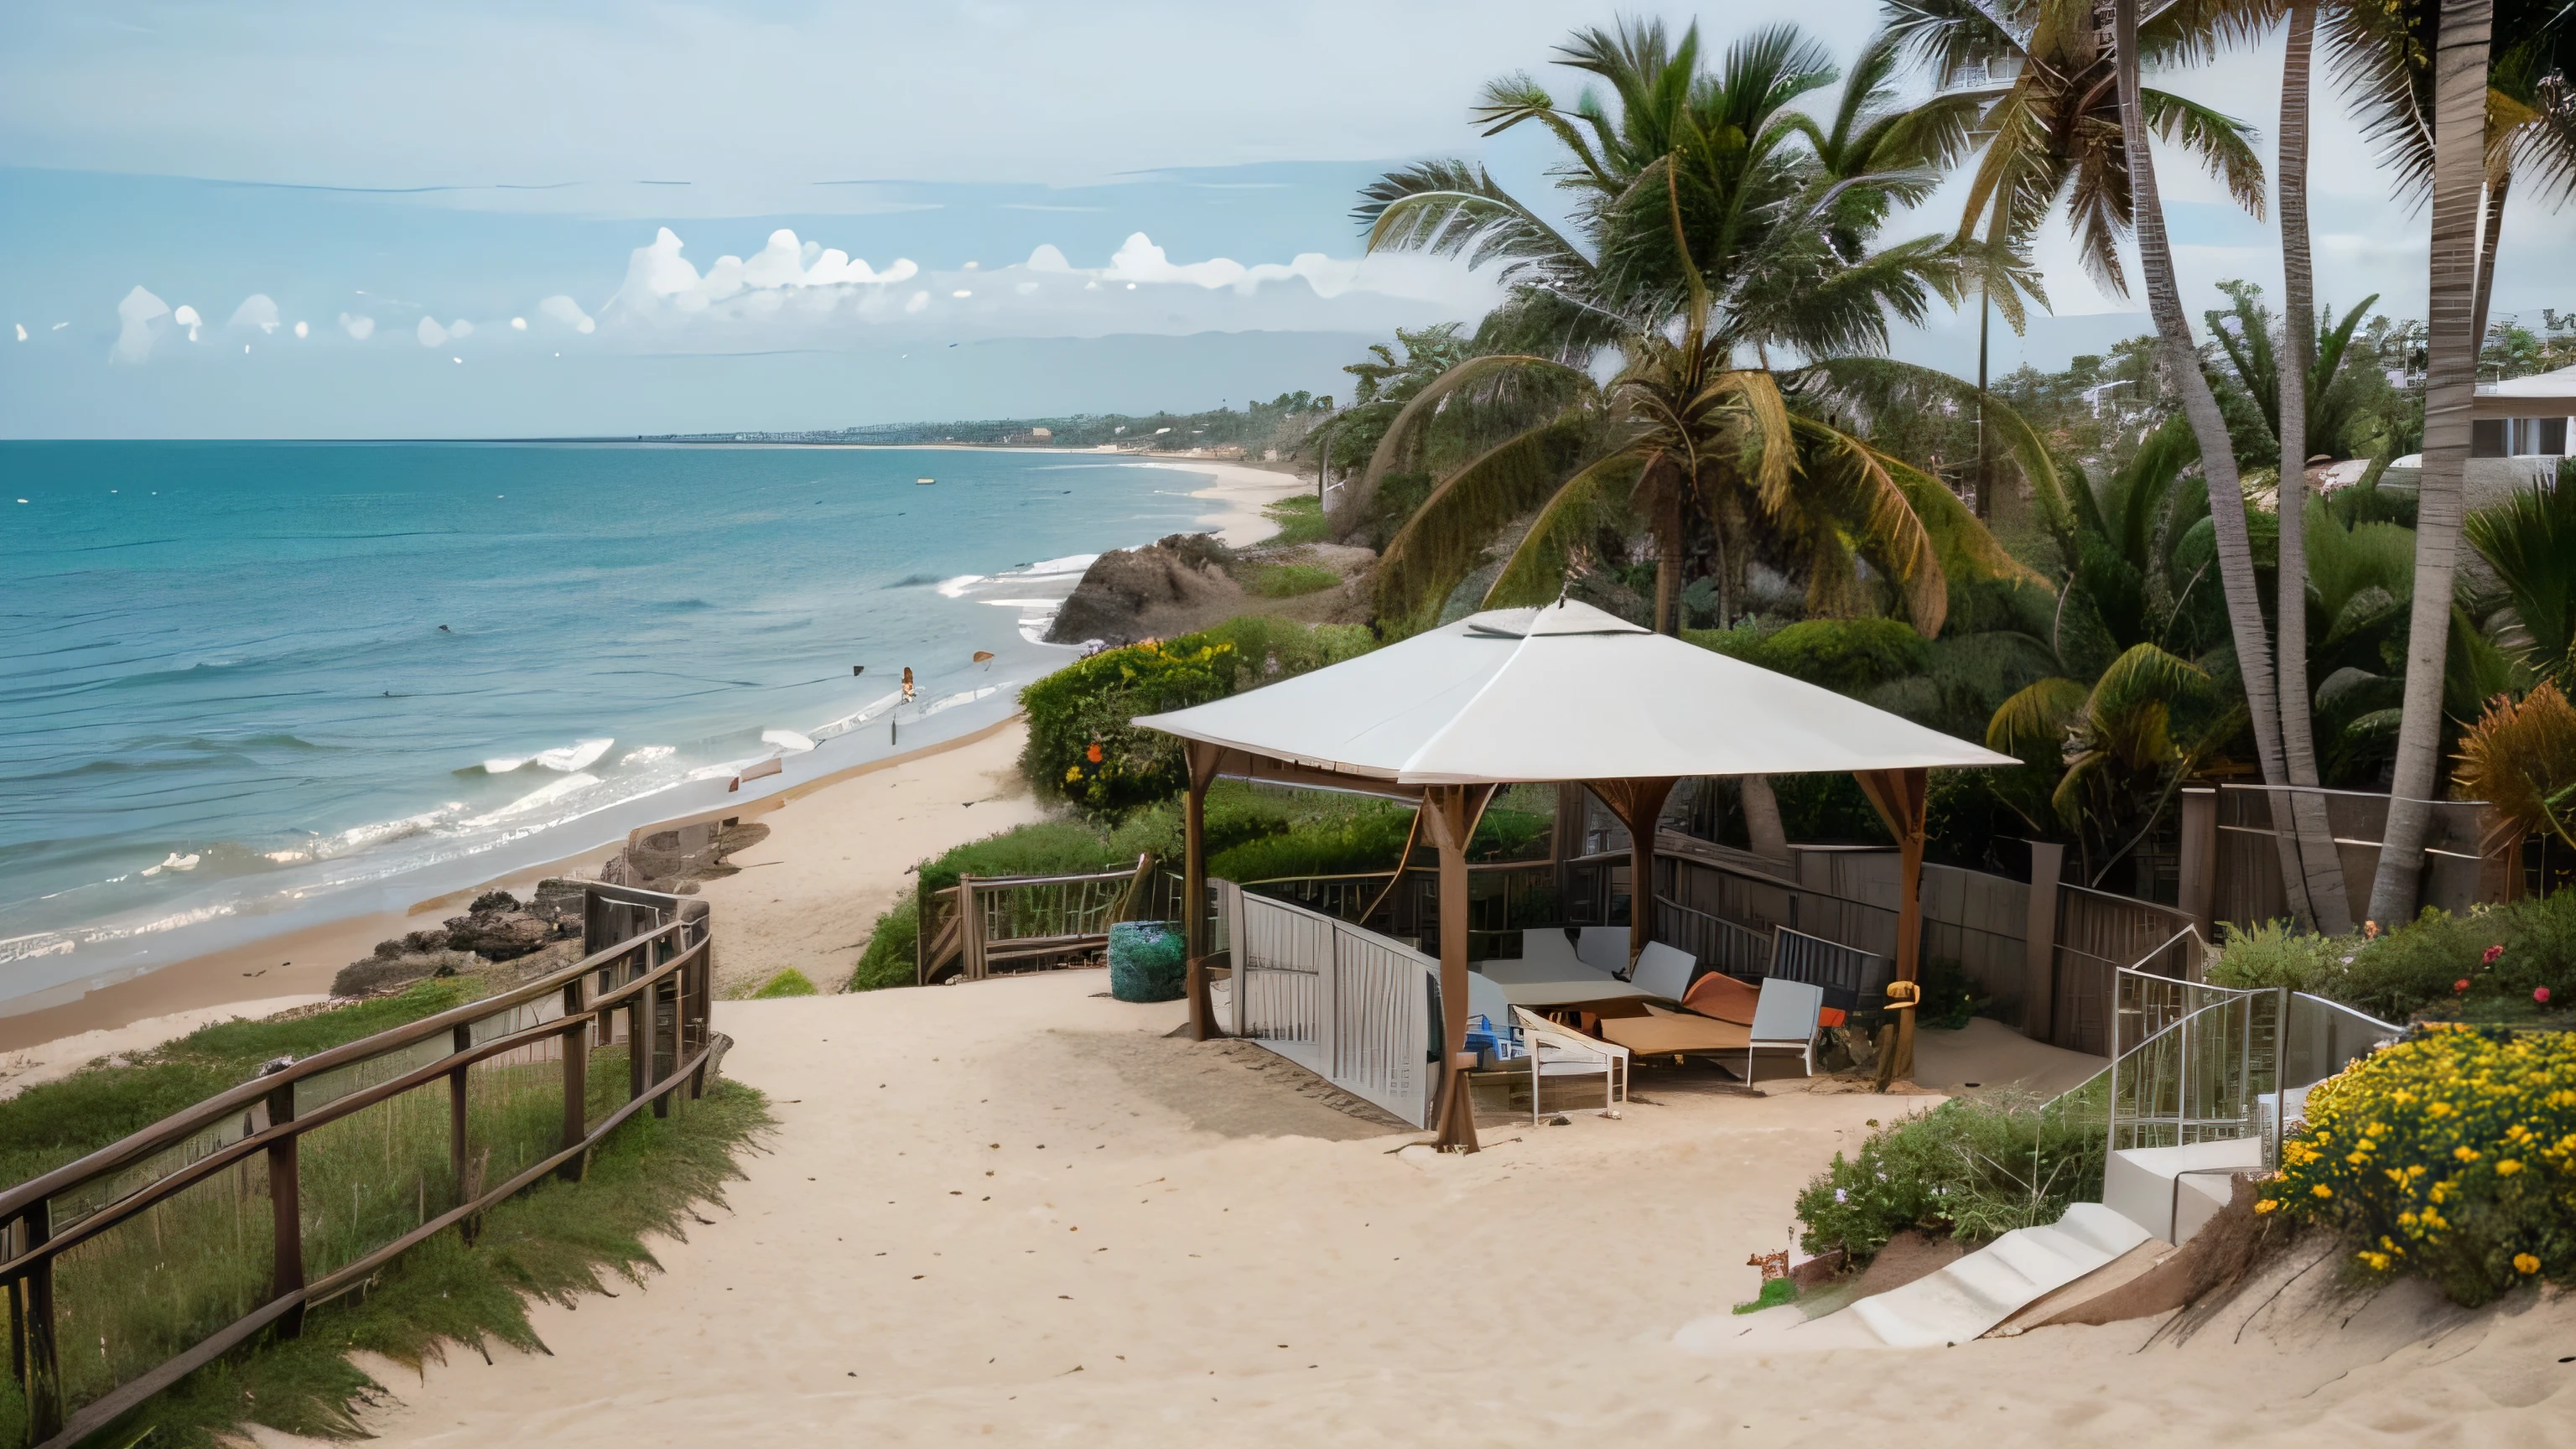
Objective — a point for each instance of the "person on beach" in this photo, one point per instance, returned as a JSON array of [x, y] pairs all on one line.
[[907, 684]]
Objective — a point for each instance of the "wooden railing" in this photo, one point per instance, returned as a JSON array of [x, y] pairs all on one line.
[[1718, 943], [190, 1237], [970, 927], [1502, 897]]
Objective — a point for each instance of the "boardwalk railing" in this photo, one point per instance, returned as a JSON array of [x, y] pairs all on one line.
[[146, 1259], [1350, 1005], [1718, 943], [979, 923]]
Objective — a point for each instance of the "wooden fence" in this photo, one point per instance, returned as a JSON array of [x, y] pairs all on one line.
[[146, 1259], [979, 923]]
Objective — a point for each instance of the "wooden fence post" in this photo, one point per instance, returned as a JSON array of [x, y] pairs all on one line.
[[286, 1212], [576, 1078], [970, 931], [701, 993], [2197, 895], [2039, 943], [463, 1042], [43, 1370]]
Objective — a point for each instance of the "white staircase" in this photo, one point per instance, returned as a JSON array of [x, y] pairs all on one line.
[[1963, 1300]]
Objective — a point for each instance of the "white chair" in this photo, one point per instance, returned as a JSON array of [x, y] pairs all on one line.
[[1784, 1018], [1485, 998], [1604, 948], [1554, 1051], [1664, 970], [1547, 946]]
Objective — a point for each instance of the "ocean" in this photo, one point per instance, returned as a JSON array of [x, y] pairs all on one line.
[[245, 687]]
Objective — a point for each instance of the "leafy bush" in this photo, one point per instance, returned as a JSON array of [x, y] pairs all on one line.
[[1369, 839], [2514, 960], [1948, 998], [1973, 1168], [1847, 656], [1044, 847], [1286, 581], [1081, 746], [892, 957], [2451, 1155], [790, 982], [1300, 517]]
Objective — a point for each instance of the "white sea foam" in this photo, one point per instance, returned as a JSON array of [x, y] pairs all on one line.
[[647, 755], [956, 588], [504, 764], [788, 740], [538, 799], [578, 756], [175, 862], [873, 709]]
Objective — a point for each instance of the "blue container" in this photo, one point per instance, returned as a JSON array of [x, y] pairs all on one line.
[[1148, 961]]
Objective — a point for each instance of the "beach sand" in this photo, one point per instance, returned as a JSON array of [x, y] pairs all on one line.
[[835, 857], [1019, 1212]]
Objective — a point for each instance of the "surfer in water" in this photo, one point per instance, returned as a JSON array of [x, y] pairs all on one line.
[[907, 684]]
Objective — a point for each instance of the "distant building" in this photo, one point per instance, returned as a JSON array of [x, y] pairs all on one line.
[[1041, 434]]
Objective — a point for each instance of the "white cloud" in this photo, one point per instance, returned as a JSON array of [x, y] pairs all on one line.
[[430, 333], [138, 325], [518, 324], [360, 328], [257, 311], [568, 312], [460, 328], [22, 331], [187, 317], [303, 329], [793, 283]]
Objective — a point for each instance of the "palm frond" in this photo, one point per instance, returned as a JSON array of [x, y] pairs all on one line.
[[1447, 536], [1402, 441], [1533, 570]]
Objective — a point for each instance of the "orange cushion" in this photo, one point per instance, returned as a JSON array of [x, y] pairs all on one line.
[[1723, 997], [1829, 1016]]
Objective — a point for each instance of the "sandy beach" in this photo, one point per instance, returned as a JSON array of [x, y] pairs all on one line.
[[822, 880], [1020, 1212]]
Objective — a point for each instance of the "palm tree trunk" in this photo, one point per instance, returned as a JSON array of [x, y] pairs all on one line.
[[2319, 861], [2497, 186], [1762, 828], [1985, 316], [1668, 567], [2217, 456], [2450, 384]]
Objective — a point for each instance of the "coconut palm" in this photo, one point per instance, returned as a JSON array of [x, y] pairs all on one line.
[[2113, 754], [1745, 244], [2459, 137]]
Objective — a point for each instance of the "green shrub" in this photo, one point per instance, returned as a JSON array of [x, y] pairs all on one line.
[[1847, 656], [1774, 1292], [1081, 746], [1973, 1168], [2451, 1155], [892, 957], [2517, 961], [1300, 517], [1287, 581], [1948, 1000], [790, 982], [1366, 840]]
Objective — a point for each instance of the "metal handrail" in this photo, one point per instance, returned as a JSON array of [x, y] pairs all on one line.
[[681, 980]]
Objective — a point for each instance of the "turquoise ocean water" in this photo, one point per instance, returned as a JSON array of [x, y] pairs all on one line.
[[246, 686]]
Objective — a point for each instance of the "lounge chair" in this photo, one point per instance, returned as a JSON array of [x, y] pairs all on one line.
[[1604, 948], [1663, 970], [1786, 1018], [1554, 1051]]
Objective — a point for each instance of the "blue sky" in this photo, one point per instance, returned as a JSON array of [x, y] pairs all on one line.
[[994, 209]]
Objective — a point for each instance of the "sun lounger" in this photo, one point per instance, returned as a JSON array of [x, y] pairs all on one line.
[[1784, 1020], [1664, 970], [1604, 948], [1554, 1051]]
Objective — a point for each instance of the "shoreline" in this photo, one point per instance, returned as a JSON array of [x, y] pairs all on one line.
[[300, 963], [301, 959]]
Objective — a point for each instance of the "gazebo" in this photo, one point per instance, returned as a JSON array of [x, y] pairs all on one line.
[[1564, 692]]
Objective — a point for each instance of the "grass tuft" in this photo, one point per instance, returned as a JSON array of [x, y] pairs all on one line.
[[555, 1242], [790, 982], [1287, 581]]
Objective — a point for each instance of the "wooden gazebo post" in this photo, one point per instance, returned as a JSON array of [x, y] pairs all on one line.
[[1899, 796], [1637, 803], [1201, 760], [1452, 811]]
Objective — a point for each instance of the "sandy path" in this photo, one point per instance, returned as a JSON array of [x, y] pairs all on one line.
[[835, 857], [1019, 1212]]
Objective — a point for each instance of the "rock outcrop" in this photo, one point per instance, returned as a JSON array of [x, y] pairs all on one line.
[[1168, 587]]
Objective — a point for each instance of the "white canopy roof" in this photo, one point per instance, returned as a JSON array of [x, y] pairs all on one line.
[[1564, 692]]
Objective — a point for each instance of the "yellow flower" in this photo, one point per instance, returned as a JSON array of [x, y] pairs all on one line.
[[2405, 1220], [2508, 1168], [2465, 1154], [2321, 1190], [2356, 1158], [2525, 1263], [2265, 1205], [2438, 1109], [2377, 1262]]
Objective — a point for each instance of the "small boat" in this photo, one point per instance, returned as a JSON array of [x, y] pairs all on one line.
[[924, 482]]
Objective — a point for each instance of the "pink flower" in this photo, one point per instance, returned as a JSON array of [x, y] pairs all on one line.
[[2461, 985], [2489, 959], [2540, 994]]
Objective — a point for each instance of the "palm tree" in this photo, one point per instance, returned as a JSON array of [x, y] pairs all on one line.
[[2527, 540], [2459, 138], [1696, 208], [2112, 754]]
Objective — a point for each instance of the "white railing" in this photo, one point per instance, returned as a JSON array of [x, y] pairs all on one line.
[[1351, 1006]]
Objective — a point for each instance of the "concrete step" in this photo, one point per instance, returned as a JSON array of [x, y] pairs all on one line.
[[1981, 1290]]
